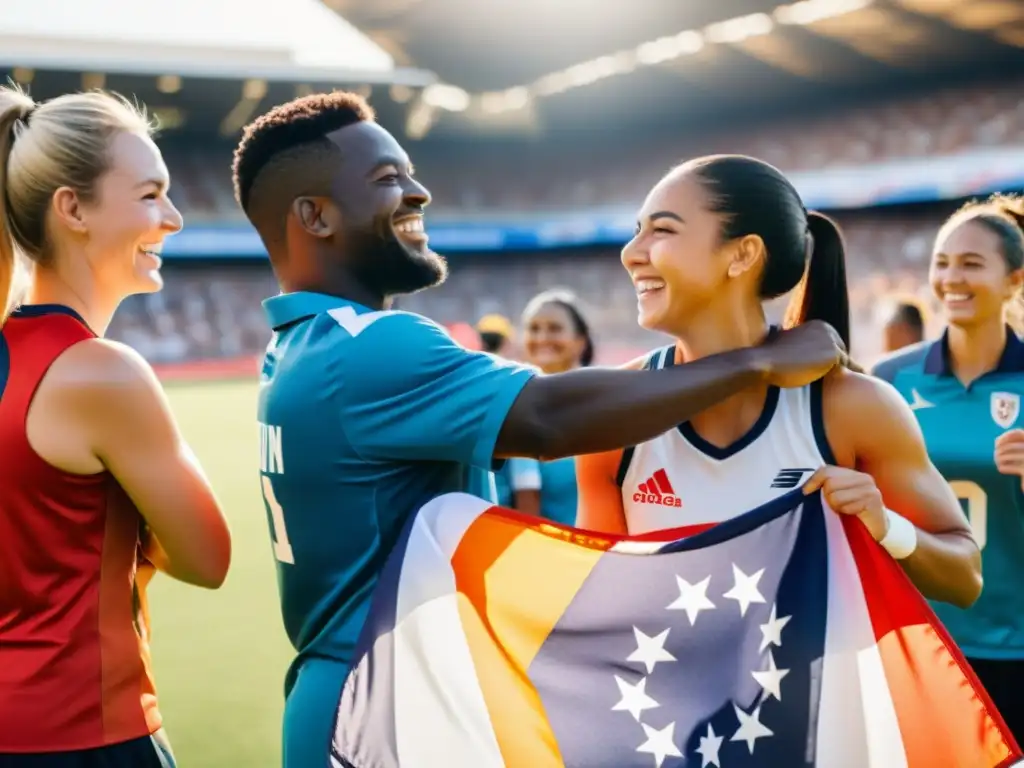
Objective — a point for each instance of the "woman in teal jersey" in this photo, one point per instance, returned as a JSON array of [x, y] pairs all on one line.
[[965, 390], [556, 339]]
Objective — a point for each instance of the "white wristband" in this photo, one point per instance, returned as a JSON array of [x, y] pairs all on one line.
[[901, 540]]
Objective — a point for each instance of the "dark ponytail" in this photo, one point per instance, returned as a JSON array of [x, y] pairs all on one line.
[[822, 294]]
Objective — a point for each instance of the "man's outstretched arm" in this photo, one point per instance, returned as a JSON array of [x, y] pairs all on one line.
[[594, 410]]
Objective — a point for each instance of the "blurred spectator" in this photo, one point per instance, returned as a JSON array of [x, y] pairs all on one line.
[[904, 325], [496, 335]]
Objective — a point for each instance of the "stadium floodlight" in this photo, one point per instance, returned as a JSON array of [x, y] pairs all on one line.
[[505, 101], [668, 48], [447, 97], [810, 11], [739, 29]]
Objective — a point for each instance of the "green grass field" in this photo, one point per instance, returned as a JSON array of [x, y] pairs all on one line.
[[221, 656]]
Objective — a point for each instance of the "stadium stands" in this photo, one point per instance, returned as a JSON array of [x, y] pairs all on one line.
[[478, 176], [213, 311]]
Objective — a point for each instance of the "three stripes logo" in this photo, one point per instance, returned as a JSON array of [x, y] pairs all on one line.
[[657, 490], [790, 478]]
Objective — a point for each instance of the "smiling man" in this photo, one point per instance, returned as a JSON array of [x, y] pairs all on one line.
[[367, 413]]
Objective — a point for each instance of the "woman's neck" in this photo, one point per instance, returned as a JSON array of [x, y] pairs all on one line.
[[976, 350], [49, 287], [707, 336]]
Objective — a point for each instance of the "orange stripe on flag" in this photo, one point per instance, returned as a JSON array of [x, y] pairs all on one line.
[[512, 591], [942, 720], [945, 715]]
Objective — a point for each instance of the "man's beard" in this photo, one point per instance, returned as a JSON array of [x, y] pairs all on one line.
[[388, 267]]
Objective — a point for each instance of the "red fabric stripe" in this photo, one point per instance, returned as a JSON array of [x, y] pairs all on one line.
[[944, 713]]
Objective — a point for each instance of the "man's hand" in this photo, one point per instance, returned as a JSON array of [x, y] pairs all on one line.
[[849, 492], [796, 357], [1009, 453]]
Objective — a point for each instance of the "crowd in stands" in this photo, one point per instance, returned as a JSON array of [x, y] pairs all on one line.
[[214, 311], [477, 176]]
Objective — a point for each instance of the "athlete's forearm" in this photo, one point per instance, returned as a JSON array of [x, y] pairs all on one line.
[[945, 567], [595, 410]]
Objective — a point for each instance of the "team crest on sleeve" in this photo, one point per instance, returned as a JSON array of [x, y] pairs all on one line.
[[1005, 408]]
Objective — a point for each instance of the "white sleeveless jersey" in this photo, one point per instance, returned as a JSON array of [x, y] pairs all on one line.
[[679, 479]]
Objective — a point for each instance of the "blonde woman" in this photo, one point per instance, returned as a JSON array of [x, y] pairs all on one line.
[[91, 456]]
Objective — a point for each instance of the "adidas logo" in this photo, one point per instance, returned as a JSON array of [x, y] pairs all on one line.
[[657, 490], [789, 478]]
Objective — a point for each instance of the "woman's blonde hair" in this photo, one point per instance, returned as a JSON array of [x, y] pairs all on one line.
[[63, 142]]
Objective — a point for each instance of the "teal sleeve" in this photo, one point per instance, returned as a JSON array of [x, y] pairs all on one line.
[[411, 393]]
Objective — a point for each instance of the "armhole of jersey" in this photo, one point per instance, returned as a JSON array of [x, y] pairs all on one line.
[[659, 358], [818, 421]]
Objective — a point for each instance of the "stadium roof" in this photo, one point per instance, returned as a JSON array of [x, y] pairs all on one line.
[[574, 63], [297, 40]]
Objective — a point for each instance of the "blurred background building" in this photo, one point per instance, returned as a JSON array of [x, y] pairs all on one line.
[[539, 127]]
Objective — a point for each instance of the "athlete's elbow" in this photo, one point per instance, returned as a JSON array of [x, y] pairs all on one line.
[[206, 565], [971, 587], [208, 573], [967, 582]]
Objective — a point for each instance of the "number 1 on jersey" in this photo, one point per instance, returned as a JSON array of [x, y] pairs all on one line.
[[282, 547], [976, 500]]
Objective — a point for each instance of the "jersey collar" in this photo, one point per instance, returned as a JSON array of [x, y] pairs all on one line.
[[287, 308], [936, 362]]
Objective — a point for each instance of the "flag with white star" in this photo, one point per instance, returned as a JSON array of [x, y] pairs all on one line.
[[784, 637]]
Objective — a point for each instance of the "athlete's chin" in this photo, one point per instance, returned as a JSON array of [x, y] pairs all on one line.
[[148, 281], [421, 271]]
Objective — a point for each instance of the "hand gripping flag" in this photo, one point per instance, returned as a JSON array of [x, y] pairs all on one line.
[[783, 638]]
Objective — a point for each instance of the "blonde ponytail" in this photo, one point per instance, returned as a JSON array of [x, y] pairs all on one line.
[[63, 142], [15, 108]]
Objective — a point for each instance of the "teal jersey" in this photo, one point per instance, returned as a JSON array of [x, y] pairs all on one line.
[[556, 482], [364, 417], [502, 488], [960, 426]]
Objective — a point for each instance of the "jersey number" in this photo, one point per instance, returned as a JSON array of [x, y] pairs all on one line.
[[974, 496], [282, 547]]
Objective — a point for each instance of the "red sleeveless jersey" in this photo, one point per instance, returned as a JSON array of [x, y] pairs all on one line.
[[74, 655]]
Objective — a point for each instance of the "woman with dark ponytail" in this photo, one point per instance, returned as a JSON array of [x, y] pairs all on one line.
[[966, 391], [556, 338], [718, 237]]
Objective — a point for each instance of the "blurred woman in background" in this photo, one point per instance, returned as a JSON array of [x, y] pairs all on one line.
[[556, 338], [93, 468], [718, 237], [965, 390]]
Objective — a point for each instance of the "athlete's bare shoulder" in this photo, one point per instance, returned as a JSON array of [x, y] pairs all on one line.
[[99, 365], [95, 390], [860, 410]]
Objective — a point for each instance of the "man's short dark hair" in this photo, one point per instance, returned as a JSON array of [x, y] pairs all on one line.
[[279, 152]]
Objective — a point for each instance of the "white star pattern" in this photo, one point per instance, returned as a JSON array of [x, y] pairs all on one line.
[[771, 631], [708, 749], [771, 678], [745, 590], [634, 698], [650, 650], [661, 743], [750, 729], [693, 598]]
